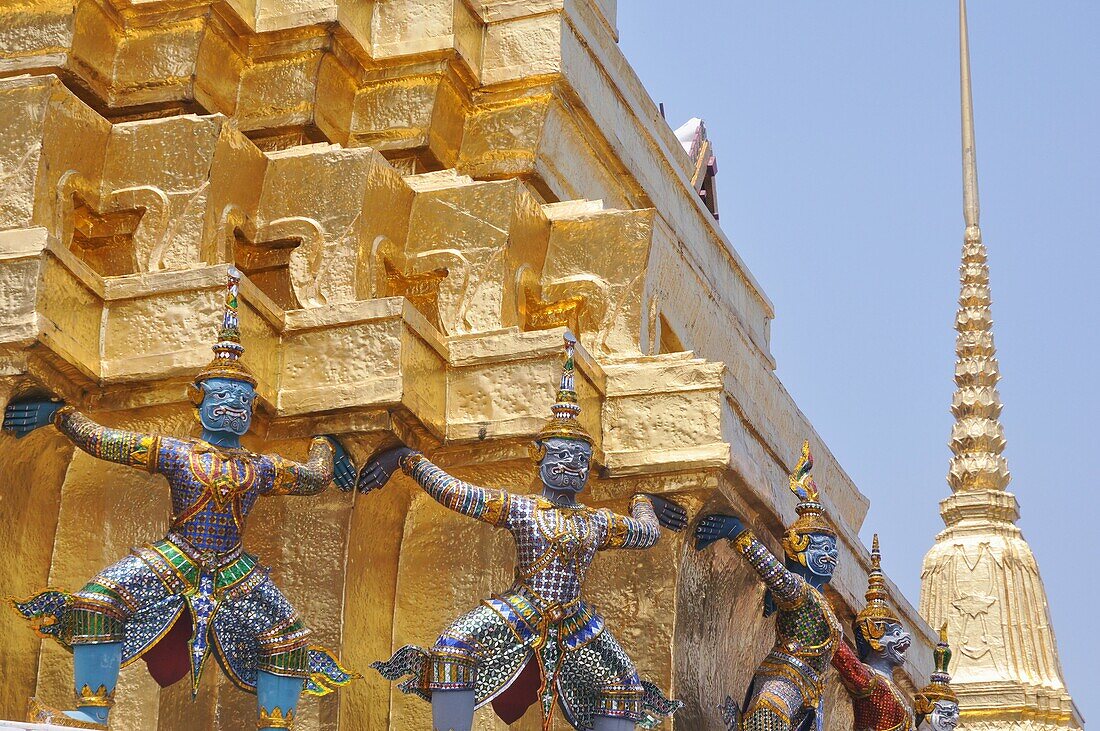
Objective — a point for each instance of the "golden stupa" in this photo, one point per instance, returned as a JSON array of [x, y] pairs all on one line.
[[980, 579]]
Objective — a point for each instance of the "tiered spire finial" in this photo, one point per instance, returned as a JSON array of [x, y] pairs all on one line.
[[977, 439], [939, 689], [980, 577]]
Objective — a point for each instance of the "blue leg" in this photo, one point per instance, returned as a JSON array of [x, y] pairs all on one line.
[[95, 675], [452, 710], [603, 723], [277, 700]]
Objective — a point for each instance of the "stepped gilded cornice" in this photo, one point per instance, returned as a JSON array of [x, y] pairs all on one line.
[[981, 578], [420, 195]]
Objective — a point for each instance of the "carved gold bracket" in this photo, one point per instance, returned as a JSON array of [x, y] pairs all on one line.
[[539, 314], [267, 265], [104, 241], [421, 289]]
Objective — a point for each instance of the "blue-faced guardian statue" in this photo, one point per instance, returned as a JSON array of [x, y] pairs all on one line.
[[539, 641], [786, 689], [196, 593]]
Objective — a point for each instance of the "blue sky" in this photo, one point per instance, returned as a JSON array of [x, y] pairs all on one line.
[[836, 126]]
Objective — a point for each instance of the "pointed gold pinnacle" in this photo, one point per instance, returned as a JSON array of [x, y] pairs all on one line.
[[977, 438]]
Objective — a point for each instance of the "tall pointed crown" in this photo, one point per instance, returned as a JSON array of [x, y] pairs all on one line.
[[563, 423], [939, 689], [811, 513], [228, 349], [871, 621]]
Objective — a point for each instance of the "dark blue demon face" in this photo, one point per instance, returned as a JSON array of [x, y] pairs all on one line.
[[821, 555], [565, 465], [226, 405]]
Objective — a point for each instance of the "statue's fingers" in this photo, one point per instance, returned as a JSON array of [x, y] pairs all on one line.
[[702, 534], [348, 473], [344, 470], [344, 477], [363, 480], [714, 529], [673, 515], [701, 543]]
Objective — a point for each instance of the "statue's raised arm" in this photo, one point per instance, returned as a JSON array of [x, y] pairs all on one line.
[[133, 449], [481, 503]]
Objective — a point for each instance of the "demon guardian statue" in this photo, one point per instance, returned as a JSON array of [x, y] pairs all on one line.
[[175, 600], [785, 692], [868, 673], [539, 641]]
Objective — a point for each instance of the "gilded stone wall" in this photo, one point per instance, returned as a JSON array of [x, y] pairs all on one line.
[[422, 195]]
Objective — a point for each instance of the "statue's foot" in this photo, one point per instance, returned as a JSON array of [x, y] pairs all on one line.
[[39, 712]]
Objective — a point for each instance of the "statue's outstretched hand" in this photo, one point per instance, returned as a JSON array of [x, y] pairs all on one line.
[[380, 467], [24, 416], [343, 469], [715, 527], [669, 514]]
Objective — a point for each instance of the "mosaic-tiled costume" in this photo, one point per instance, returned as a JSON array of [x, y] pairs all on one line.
[[195, 593], [878, 703], [538, 641], [876, 700]]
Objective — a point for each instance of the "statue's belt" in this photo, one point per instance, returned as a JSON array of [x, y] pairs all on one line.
[[180, 565], [576, 622], [808, 680]]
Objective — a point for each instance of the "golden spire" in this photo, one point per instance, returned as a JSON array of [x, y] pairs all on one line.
[[977, 439], [981, 578], [876, 582]]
